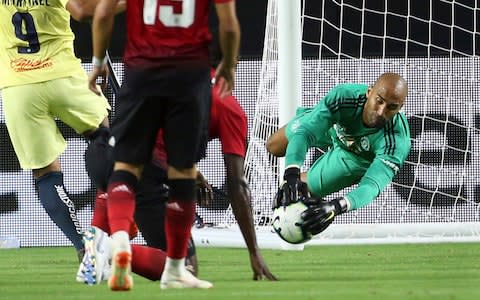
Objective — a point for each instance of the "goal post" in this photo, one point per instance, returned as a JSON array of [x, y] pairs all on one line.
[[289, 62], [435, 46]]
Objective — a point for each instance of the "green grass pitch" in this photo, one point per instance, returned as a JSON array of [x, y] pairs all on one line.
[[423, 271]]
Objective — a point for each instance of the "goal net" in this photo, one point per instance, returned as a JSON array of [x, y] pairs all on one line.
[[435, 45]]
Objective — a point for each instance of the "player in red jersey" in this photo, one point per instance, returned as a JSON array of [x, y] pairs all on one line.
[[167, 85], [228, 123]]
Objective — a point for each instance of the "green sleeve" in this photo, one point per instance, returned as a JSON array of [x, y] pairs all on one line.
[[377, 177], [391, 153], [307, 130], [304, 133]]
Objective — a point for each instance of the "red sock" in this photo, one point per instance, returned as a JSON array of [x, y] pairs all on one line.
[[148, 262], [100, 217], [121, 201], [179, 217]]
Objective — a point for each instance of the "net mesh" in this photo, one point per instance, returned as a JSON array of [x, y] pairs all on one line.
[[435, 46]]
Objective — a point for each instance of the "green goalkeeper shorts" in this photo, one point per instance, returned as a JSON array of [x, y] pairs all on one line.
[[334, 171]]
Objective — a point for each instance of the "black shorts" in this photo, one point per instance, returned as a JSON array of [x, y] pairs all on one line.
[[177, 100]]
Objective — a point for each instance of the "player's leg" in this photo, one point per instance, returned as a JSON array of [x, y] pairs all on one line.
[[99, 166], [135, 127], [334, 171], [99, 158], [85, 112], [57, 203], [38, 143], [277, 143], [147, 261], [152, 195], [184, 134]]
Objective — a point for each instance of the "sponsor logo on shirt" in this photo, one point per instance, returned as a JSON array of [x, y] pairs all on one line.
[[24, 64], [355, 144]]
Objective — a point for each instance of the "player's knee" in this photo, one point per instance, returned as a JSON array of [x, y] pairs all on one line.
[[98, 158], [276, 146]]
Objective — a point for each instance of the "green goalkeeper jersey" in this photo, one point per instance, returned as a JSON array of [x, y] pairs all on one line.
[[337, 121]]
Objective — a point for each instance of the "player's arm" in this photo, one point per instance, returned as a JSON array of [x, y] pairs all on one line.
[[391, 153], [321, 212], [83, 10], [239, 193], [379, 174], [229, 38], [102, 28], [303, 134]]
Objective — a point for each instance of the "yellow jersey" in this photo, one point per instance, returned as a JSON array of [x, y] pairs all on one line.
[[36, 42]]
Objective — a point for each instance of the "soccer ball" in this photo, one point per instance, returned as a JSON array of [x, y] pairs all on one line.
[[287, 221]]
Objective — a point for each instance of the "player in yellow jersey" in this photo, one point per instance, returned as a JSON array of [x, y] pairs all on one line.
[[40, 80]]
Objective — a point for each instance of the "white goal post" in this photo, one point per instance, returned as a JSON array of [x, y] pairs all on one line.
[[435, 46]]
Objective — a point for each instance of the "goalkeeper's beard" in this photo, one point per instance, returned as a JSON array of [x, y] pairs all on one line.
[[375, 121]]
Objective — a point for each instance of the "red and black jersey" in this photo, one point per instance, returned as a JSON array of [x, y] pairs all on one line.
[[167, 32], [228, 123]]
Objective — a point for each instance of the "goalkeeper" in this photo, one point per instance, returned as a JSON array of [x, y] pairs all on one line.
[[368, 140]]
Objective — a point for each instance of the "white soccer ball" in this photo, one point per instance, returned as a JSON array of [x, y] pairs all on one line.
[[287, 221]]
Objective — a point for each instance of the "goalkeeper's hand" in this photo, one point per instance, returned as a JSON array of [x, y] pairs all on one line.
[[321, 213], [292, 188]]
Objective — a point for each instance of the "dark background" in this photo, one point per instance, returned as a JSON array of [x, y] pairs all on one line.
[[251, 14]]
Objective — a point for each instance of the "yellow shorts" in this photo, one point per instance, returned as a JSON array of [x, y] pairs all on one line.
[[30, 111]]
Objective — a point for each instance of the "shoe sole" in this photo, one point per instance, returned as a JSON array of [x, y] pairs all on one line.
[[184, 285], [121, 280]]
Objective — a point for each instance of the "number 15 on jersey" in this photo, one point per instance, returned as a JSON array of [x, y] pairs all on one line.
[[166, 13]]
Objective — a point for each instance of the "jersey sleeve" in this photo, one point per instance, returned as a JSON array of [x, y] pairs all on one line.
[[391, 154], [232, 124], [312, 127]]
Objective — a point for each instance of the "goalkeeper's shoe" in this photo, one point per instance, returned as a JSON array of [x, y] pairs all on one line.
[[120, 276], [95, 263]]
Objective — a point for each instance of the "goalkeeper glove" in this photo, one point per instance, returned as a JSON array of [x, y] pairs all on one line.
[[292, 188], [320, 213]]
